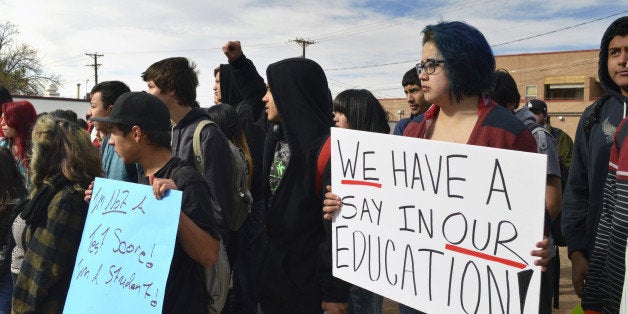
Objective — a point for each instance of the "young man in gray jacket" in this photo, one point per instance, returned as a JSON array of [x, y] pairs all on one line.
[[174, 81]]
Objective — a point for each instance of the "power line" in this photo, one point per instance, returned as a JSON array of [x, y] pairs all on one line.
[[501, 44], [464, 4], [248, 47], [65, 60], [371, 66], [558, 30]]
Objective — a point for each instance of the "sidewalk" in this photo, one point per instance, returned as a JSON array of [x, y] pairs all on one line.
[[568, 299]]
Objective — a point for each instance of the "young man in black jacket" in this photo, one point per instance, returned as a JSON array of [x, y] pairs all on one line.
[[582, 200], [174, 81], [295, 274], [240, 85], [140, 133]]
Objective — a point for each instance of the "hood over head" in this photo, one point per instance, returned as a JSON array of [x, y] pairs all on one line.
[[525, 115], [605, 79], [301, 94]]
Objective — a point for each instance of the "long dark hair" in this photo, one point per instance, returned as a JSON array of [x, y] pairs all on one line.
[[226, 117], [363, 111]]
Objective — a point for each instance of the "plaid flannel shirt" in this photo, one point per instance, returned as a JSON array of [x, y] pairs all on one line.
[[44, 278]]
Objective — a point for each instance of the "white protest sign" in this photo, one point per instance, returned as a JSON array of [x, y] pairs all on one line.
[[441, 227], [126, 249]]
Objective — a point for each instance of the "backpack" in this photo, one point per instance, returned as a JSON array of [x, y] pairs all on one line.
[[555, 224], [218, 276], [592, 116], [323, 158], [242, 198]]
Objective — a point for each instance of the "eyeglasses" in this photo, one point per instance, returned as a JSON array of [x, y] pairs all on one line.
[[429, 66]]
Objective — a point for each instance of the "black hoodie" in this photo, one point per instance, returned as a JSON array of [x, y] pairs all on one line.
[[243, 88], [292, 276], [583, 196]]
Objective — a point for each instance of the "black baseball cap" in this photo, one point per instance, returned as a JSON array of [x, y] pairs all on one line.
[[141, 109], [537, 105]]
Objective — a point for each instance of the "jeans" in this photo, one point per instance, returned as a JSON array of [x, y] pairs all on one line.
[[364, 301], [6, 291], [547, 288], [243, 297]]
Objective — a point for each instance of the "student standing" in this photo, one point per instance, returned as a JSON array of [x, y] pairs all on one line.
[[174, 81], [582, 200], [295, 266], [457, 66], [63, 164], [358, 109], [140, 133]]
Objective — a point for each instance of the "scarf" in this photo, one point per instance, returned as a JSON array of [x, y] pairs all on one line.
[[35, 212]]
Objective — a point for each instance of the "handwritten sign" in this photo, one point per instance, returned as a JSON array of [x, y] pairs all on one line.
[[126, 249], [441, 227]]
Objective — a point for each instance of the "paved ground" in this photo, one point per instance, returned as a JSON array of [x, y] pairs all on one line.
[[568, 299]]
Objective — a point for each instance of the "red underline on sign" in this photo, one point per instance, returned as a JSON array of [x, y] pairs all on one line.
[[484, 256], [357, 182]]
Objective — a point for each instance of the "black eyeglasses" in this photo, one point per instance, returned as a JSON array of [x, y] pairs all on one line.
[[429, 66]]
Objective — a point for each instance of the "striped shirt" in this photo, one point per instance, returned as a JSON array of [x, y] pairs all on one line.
[[605, 280]]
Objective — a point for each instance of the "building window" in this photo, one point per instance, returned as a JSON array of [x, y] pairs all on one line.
[[531, 92], [564, 91]]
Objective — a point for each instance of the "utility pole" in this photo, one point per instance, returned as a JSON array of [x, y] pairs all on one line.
[[303, 43], [94, 56]]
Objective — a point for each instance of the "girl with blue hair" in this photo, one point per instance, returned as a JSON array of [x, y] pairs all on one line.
[[456, 69]]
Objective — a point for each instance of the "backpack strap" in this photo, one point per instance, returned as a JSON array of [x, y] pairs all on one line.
[[323, 158], [594, 116], [196, 144]]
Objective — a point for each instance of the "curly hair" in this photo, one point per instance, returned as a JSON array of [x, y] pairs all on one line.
[[62, 147], [469, 60]]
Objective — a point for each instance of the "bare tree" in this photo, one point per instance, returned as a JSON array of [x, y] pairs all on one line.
[[21, 71]]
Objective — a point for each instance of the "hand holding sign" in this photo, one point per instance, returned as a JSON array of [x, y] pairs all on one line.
[[126, 249], [437, 226], [332, 203]]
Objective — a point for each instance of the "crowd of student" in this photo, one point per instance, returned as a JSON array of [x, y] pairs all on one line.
[[268, 138]]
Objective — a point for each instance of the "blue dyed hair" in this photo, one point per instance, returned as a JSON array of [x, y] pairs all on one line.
[[468, 57]]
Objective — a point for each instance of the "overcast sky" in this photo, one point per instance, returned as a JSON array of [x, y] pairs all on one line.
[[360, 44]]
